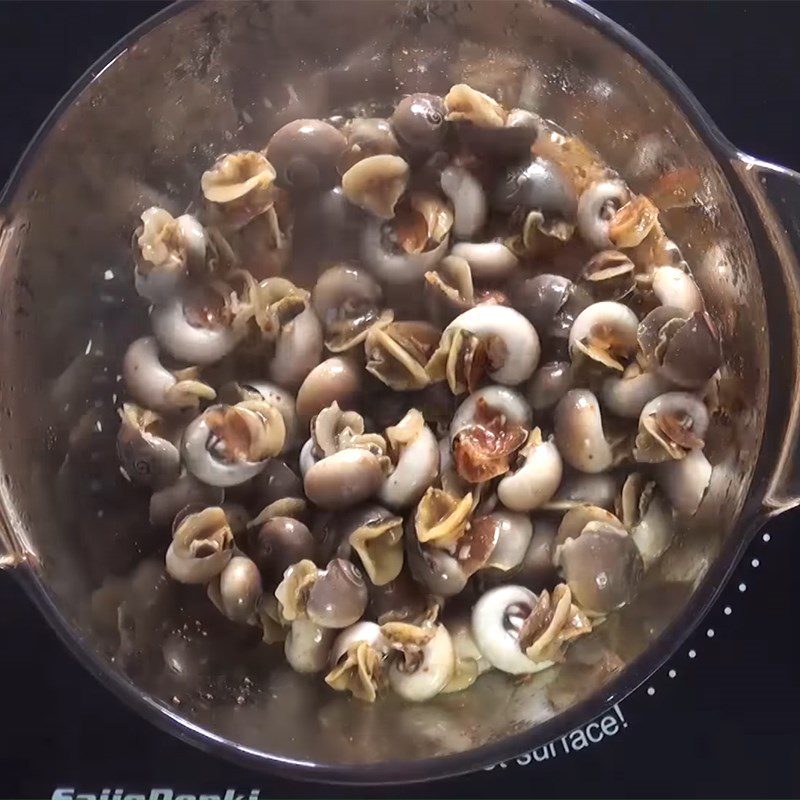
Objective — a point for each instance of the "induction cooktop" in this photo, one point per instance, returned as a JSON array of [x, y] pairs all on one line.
[[718, 719]]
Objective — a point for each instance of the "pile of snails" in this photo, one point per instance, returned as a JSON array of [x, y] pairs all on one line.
[[459, 438]]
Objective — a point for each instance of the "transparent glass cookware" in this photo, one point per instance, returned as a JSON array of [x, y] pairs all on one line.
[[138, 129]]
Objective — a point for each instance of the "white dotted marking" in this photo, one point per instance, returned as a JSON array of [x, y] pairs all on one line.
[[766, 537], [692, 653], [672, 673], [651, 691], [710, 633], [727, 611], [742, 587], [755, 562]]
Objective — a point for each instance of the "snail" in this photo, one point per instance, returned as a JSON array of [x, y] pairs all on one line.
[[486, 429], [237, 589], [335, 597], [605, 332], [551, 381], [513, 345], [195, 327], [238, 187], [416, 463], [166, 252], [538, 185], [356, 661], [347, 301], [335, 380], [305, 154], [602, 566], [157, 388], [596, 208], [579, 433], [425, 392], [278, 397], [403, 248], [201, 547], [145, 451], [227, 445], [670, 425], [297, 351], [537, 480], [681, 349], [521, 633], [419, 121], [307, 646], [344, 479], [426, 660], [277, 544], [674, 287]]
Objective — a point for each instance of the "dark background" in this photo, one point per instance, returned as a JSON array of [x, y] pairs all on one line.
[[724, 726]]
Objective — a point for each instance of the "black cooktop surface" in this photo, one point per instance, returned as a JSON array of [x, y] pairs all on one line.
[[719, 719]]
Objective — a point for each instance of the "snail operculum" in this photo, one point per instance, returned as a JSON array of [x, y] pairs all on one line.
[[537, 223], [483, 449], [278, 301], [166, 250], [239, 186], [609, 275], [262, 310], [397, 353], [348, 302], [553, 623], [202, 545], [376, 183], [356, 660], [352, 324], [252, 431], [634, 499], [452, 281], [632, 223], [274, 626], [159, 240], [606, 333], [333, 429], [461, 359], [528, 242], [672, 432], [465, 104], [670, 427], [360, 672], [293, 591], [378, 541], [647, 515], [441, 518], [408, 640]]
